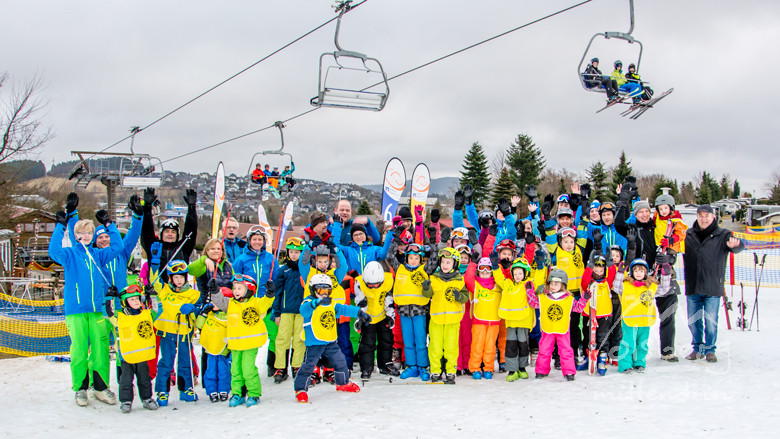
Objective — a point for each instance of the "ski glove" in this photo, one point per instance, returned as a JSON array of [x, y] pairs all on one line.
[[631, 235], [212, 286], [71, 203], [446, 232], [398, 230], [667, 241], [270, 289], [432, 234], [324, 301], [460, 200], [468, 192], [187, 308], [493, 230], [135, 205], [435, 215], [539, 258], [362, 315], [505, 263], [473, 239], [475, 256], [494, 259], [597, 235], [529, 287], [530, 238], [110, 308], [112, 292], [150, 198], [547, 206], [62, 218], [587, 294], [426, 284], [585, 191], [504, 207], [190, 197], [102, 217]]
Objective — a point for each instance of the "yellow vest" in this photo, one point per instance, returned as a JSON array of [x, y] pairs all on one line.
[[638, 304], [171, 303], [660, 232], [338, 295], [573, 266], [376, 297], [136, 336], [213, 334], [603, 301], [245, 326], [445, 308], [486, 303], [408, 286], [514, 306], [555, 314], [323, 323]]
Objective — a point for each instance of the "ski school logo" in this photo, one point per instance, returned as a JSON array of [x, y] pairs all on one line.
[[328, 320], [450, 294], [646, 298], [145, 330], [417, 278], [250, 316], [578, 261], [555, 312]]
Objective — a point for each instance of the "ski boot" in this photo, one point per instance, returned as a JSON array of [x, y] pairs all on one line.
[[223, 396], [106, 396], [301, 396], [639, 369], [315, 377], [557, 363], [188, 395], [329, 375], [214, 397], [488, 375], [295, 372], [236, 400], [81, 398], [280, 375], [435, 377], [541, 375], [569, 377], [501, 367], [449, 378], [252, 400], [424, 374], [150, 404], [349, 387], [410, 372], [162, 399], [365, 375], [602, 364], [397, 359], [582, 363], [126, 407], [476, 375]]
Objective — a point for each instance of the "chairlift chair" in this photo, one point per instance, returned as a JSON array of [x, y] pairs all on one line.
[[279, 151], [345, 77]]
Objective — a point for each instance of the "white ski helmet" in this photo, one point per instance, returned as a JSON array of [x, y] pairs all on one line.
[[320, 282], [373, 273]]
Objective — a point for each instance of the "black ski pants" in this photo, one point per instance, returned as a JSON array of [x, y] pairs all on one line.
[[370, 336], [139, 371], [667, 308]]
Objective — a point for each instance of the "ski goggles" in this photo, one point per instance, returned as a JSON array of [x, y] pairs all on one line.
[[563, 198], [463, 248], [484, 269], [374, 285], [607, 206], [247, 280], [133, 289], [295, 243], [599, 261], [177, 267], [170, 223], [460, 233], [415, 249], [322, 290], [255, 230], [567, 231]]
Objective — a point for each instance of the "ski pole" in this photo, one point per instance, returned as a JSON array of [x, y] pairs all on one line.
[[173, 256], [190, 354], [758, 287], [224, 230], [742, 306], [175, 362]]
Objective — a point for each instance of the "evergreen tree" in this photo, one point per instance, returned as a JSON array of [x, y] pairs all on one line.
[[597, 177], [704, 191], [724, 186], [664, 182], [475, 172], [364, 209], [619, 174], [526, 162], [504, 187], [736, 192]]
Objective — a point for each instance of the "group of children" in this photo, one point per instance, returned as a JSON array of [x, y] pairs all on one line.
[[432, 301]]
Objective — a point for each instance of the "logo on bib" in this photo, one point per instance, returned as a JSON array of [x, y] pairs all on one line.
[[450, 294], [646, 298], [555, 312], [328, 320], [145, 330], [417, 278], [250, 316]]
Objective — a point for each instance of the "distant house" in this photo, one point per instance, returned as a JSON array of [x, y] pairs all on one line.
[[355, 194]]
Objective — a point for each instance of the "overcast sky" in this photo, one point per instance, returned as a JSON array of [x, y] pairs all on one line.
[[110, 65]]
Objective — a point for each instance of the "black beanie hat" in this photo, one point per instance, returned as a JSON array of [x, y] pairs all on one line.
[[358, 228], [405, 213]]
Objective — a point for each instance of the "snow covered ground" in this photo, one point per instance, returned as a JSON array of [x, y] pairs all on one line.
[[733, 397]]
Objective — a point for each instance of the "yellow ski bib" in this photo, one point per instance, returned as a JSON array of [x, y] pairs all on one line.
[[445, 309], [573, 266], [213, 334], [169, 320], [245, 326], [555, 315], [638, 304], [136, 336], [408, 286]]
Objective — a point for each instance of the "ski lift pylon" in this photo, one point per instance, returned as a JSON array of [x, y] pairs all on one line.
[[625, 36], [349, 66], [280, 151]]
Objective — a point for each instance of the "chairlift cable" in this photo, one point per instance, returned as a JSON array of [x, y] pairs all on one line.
[[227, 80], [538, 20]]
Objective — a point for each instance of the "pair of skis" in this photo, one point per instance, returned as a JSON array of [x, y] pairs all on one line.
[[640, 107], [593, 351]]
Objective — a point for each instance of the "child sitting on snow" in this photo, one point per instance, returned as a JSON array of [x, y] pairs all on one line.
[[246, 332], [319, 313], [556, 305], [137, 345]]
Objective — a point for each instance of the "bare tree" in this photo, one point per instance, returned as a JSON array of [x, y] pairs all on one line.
[[497, 164], [20, 120]]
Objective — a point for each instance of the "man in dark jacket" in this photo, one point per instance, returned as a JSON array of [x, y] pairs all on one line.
[[160, 250], [706, 249], [594, 78]]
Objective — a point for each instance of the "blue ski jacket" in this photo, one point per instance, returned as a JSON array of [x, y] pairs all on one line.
[[258, 265], [234, 248], [359, 255], [289, 290], [307, 309]]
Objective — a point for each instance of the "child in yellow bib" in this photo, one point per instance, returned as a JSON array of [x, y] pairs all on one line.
[[137, 344], [374, 294], [448, 293], [518, 315], [246, 332], [213, 339], [485, 321]]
